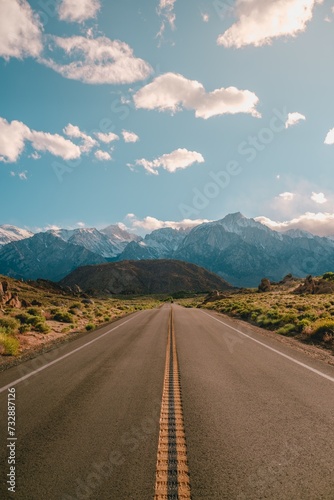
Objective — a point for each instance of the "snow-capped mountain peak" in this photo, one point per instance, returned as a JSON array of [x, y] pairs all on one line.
[[10, 233]]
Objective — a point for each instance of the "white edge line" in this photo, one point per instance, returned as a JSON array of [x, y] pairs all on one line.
[[328, 377], [15, 382]]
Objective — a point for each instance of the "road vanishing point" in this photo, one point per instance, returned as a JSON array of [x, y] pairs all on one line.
[[171, 403]]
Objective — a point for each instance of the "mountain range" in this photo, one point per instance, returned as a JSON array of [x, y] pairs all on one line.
[[239, 249]]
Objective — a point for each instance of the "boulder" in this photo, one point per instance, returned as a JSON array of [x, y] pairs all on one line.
[[265, 285]]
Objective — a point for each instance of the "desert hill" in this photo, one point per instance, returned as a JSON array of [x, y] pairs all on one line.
[[144, 277]]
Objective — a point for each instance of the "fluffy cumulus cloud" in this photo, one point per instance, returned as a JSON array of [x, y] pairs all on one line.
[[95, 61], [20, 30], [259, 21], [330, 137], [129, 136], [78, 11], [106, 138], [102, 155], [12, 140], [87, 141], [14, 135], [321, 223], [179, 159], [172, 92], [318, 198], [293, 119], [151, 223]]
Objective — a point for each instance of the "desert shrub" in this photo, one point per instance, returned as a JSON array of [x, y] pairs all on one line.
[[63, 317], [303, 324], [76, 305], [10, 345], [288, 329], [107, 318], [34, 311], [323, 329], [24, 328], [23, 318], [10, 325], [89, 327], [42, 327], [328, 276], [34, 320]]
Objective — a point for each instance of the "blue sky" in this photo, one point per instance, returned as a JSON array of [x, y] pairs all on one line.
[[164, 113]]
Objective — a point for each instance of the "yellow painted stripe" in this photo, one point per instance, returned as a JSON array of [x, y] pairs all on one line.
[[172, 472]]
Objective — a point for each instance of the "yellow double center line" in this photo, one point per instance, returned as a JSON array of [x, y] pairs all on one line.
[[172, 473]]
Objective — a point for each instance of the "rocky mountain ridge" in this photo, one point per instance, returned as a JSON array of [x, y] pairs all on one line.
[[239, 249]]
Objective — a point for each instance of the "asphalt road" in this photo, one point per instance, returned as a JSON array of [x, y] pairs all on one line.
[[258, 415]]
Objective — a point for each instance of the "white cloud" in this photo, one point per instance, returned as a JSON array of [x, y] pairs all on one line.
[[81, 224], [74, 132], [14, 135], [35, 155], [321, 224], [293, 119], [178, 159], [151, 223], [78, 11], [23, 175], [259, 21], [55, 144], [96, 61], [166, 11], [129, 136], [20, 30], [106, 138], [287, 196], [102, 155], [330, 137], [205, 17], [172, 92], [12, 140], [318, 198]]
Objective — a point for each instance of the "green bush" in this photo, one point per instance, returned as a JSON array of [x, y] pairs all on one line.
[[9, 344], [42, 327], [63, 317], [24, 328], [10, 325], [328, 276], [323, 329], [34, 311], [89, 327], [34, 320], [288, 329], [23, 318], [303, 324]]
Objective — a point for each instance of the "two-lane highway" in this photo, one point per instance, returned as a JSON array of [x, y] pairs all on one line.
[[153, 397]]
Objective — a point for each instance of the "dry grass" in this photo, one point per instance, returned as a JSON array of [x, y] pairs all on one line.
[[307, 317], [51, 315]]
